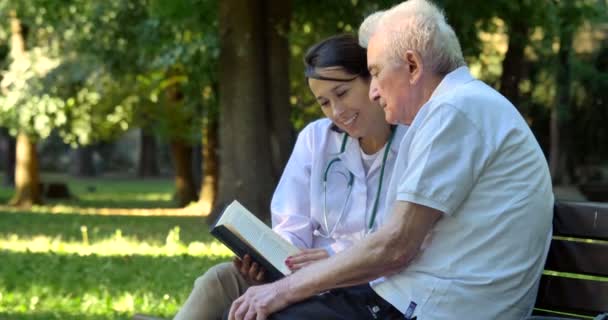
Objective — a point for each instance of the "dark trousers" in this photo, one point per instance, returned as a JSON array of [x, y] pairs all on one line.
[[352, 303]]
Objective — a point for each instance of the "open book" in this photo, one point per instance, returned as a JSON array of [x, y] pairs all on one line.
[[244, 233]]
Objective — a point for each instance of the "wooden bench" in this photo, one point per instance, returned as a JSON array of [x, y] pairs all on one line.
[[578, 258]]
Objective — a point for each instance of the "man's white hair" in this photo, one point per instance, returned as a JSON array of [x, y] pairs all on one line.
[[368, 27], [420, 26]]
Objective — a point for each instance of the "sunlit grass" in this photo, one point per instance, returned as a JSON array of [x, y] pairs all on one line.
[[49, 277], [73, 260], [114, 246]]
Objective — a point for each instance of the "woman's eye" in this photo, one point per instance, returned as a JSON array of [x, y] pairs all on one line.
[[341, 93], [324, 104]]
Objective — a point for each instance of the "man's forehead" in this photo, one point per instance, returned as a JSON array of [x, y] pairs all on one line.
[[374, 49]]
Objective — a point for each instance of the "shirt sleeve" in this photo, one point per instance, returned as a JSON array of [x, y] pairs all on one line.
[[445, 158], [290, 206]]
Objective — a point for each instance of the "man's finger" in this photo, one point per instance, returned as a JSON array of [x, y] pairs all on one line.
[[251, 314], [233, 308], [241, 311]]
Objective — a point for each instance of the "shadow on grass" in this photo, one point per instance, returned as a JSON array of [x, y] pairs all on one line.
[[151, 229], [74, 275]]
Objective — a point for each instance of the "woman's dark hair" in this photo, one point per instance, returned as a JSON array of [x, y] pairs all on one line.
[[337, 51]]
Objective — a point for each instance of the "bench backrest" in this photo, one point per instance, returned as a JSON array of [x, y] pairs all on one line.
[[576, 271]]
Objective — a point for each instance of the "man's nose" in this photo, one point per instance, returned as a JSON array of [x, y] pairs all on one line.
[[374, 93]]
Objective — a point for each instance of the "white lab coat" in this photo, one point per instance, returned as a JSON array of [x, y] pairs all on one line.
[[297, 204]]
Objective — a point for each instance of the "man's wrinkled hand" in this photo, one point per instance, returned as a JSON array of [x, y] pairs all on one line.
[[259, 302]]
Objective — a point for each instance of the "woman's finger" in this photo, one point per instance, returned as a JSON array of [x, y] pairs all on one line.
[[253, 271], [307, 256], [260, 276], [296, 267], [246, 264]]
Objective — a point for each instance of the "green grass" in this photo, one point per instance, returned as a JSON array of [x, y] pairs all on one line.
[[84, 266]]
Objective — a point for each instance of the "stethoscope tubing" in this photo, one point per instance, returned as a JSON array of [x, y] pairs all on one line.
[[351, 179]]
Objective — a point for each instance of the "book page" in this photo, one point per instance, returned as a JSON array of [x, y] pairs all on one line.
[[248, 227]]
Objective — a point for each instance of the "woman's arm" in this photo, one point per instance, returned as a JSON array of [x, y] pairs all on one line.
[[290, 206]]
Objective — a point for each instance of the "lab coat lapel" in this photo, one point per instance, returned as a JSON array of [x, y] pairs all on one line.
[[351, 157]]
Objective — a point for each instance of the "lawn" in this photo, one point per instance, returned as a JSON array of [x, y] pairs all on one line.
[[71, 265]]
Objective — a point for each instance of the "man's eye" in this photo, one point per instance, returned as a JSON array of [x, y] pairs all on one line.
[[341, 93], [324, 104]]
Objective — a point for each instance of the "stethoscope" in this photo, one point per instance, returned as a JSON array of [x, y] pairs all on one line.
[[351, 178]]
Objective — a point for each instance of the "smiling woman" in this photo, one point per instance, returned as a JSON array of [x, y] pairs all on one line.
[[338, 78], [330, 193]]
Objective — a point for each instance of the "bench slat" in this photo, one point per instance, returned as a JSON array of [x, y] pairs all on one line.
[[584, 297], [578, 257], [587, 220]]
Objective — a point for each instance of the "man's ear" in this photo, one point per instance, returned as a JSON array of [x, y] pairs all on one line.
[[415, 66]]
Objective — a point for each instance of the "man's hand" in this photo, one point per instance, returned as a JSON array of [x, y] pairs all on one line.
[[304, 258], [261, 301], [251, 271]]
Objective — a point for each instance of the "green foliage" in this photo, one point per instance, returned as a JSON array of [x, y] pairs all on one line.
[[117, 61]]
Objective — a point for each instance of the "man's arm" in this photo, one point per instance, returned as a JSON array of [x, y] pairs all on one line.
[[384, 252]]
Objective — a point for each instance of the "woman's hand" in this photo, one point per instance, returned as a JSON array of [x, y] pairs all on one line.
[[304, 258], [251, 271]]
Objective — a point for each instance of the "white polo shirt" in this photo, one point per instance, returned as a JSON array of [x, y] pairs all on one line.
[[471, 155], [297, 203]]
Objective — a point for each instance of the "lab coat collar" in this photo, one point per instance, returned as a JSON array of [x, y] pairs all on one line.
[[352, 154], [351, 158]]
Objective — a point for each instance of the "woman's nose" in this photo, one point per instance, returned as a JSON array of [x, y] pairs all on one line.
[[338, 109]]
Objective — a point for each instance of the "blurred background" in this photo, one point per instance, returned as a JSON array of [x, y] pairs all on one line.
[[123, 123]]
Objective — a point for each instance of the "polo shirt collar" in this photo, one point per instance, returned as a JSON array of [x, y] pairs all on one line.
[[452, 80]]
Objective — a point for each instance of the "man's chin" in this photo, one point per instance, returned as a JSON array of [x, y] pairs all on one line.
[[388, 116]]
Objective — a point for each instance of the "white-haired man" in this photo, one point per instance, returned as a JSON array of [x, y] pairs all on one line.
[[470, 179]]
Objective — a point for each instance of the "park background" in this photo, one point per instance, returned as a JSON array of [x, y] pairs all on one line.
[[124, 123]]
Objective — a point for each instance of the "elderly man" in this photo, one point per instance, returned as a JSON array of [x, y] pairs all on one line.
[[471, 196]]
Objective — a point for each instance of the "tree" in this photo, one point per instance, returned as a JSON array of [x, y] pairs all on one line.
[[10, 146], [247, 170], [147, 164], [27, 179]]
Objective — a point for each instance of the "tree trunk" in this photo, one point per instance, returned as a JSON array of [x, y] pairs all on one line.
[[277, 85], [10, 146], [560, 110], [246, 161], [196, 164], [147, 165], [185, 191], [82, 165], [27, 178], [513, 63], [209, 186]]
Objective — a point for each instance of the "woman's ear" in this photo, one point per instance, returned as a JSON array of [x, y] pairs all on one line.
[[415, 65]]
